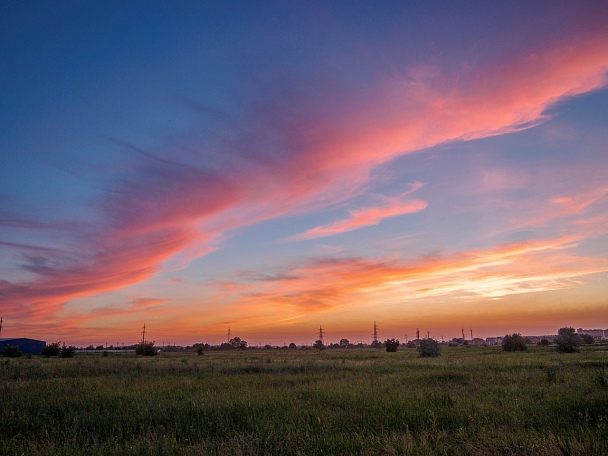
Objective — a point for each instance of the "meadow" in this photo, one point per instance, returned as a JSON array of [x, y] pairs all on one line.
[[469, 401]]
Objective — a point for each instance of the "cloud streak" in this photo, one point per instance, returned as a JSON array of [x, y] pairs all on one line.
[[368, 216]]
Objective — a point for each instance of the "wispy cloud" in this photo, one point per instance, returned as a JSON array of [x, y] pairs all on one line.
[[324, 284]]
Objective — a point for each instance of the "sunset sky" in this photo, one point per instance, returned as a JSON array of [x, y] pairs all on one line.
[[276, 166]]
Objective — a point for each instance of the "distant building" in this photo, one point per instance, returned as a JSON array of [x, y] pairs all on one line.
[[494, 340], [551, 338], [597, 333], [26, 346]]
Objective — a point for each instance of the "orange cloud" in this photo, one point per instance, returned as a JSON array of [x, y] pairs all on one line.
[[325, 285]]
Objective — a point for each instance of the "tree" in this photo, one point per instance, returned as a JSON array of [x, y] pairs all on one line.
[[587, 339], [292, 345], [319, 345], [543, 341], [344, 343], [53, 349], [67, 352], [146, 349], [391, 345], [568, 340], [429, 348], [237, 342], [514, 342]]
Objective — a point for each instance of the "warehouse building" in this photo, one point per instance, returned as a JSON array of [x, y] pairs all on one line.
[[26, 346]]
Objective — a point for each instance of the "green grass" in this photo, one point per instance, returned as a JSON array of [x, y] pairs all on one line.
[[475, 401]]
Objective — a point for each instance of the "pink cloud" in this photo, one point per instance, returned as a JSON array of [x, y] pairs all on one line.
[[368, 216]]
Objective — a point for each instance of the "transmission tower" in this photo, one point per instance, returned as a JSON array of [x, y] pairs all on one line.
[[375, 332], [417, 334], [321, 334], [462, 329], [228, 334], [143, 335], [471, 334]]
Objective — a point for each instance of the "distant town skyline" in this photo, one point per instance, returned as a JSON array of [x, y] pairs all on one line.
[[276, 166]]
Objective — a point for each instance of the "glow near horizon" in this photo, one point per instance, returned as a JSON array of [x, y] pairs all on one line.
[[277, 169]]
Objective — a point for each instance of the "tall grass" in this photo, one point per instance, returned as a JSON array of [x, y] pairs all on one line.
[[286, 402]]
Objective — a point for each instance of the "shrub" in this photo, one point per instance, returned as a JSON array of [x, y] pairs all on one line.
[[67, 352], [292, 346], [543, 342], [199, 351], [319, 345], [146, 349], [391, 345], [587, 339], [429, 348], [53, 349], [410, 344], [12, 351], [514, 342], [568, 340]]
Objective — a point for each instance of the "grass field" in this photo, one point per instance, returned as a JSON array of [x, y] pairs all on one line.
[[478, 401]]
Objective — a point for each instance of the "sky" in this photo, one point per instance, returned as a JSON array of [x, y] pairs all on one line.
[[273, 167]]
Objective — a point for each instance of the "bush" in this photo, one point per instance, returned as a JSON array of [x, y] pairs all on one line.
[[514, 342], [543, 342], [587, 339], [67, 352], [319, 345], [53, 349], [391, 345], [146, 349], [199, 351], [12, 351], [429, 348], [568, 340]]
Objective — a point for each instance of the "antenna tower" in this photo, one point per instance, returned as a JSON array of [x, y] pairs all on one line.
[[143, 335], [321, 334], [375, 332], [228, 334]]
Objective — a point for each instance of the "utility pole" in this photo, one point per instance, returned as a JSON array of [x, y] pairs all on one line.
[[0, 326], [143, 335], [375, 332]]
